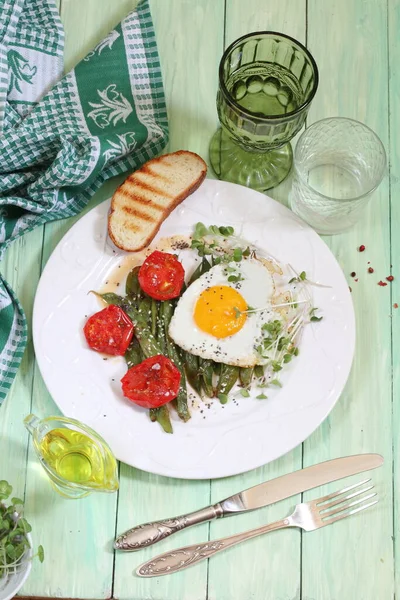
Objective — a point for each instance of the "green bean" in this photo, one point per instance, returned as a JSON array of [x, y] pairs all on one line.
[[227, 379], [180, 402], [167, 310], [160, 329], [161, 414], [111, 298], [217, 368], [154, 311], [246, 375], [258, 371], [134, 355], [145, 309], [196, 274], [192, 370], [202, 268], [207, 377], [147, 340], [132, 287]]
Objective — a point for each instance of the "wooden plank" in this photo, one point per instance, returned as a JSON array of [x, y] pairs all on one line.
[[355, 557], [77, 536], [190, 94], [237, 574], [394, 150], [21, 269]]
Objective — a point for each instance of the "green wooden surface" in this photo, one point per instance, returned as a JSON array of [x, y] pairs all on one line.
[[356, 45]]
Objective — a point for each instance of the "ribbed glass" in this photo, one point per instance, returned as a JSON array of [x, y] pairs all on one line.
[[266, 83]]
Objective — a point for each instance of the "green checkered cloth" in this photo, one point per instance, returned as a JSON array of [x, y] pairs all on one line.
[[62, 137]]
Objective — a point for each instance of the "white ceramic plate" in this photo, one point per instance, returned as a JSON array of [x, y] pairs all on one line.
[[231, 439]]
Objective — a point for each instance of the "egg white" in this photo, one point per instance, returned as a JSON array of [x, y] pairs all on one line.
[[239, 349]]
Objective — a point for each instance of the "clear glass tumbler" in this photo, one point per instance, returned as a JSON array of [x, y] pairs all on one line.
[[338, 163], [267, 81]]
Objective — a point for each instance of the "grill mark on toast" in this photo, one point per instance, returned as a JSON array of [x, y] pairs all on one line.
[[137, 213], [141, 199], [151, 188], [147, 170], [132, 227]]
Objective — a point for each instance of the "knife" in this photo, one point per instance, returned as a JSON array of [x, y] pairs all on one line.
[[255, 497]]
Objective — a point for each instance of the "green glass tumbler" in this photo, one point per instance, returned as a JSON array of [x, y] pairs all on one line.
[[267, 81]]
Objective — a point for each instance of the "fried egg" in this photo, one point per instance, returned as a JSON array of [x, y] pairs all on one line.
[[210, 319]]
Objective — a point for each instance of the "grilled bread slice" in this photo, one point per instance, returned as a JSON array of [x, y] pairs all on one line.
[[147, 197]]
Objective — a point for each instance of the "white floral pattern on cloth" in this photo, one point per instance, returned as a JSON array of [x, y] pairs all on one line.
[[106, 43], [126, 143], [20, 70], [113, 107]]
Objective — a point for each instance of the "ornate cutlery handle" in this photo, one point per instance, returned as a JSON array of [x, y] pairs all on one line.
[[145, 535], [170, 562]]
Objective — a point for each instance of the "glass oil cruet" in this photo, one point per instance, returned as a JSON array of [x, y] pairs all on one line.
[[76, 459]]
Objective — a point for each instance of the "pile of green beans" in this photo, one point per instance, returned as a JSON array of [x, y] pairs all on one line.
[[151, 319]]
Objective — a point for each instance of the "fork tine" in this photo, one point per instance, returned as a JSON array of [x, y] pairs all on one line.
[[351, 512], [343, 491], [346, 506], [339, 499]]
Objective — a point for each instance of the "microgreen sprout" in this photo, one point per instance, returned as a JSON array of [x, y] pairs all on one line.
[[14, 528], [299, 279], [313, 317], [251, 310], [220, 242], [235, 278]]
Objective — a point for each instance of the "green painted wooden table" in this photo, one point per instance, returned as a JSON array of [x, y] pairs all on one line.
[[355, 44]]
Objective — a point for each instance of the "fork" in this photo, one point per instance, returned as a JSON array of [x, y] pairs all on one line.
[[307, 516]]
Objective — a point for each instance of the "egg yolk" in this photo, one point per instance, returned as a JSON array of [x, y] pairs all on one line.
[[219, 311]]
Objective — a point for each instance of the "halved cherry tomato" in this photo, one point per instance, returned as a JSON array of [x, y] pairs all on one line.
[[110, 331], [152, 383], [161, 276]]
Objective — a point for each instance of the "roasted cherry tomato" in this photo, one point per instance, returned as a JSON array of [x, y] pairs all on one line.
[[161, 276], [152, 383], [109, 331]]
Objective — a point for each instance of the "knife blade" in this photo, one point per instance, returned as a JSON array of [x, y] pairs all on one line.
[[255, 497]]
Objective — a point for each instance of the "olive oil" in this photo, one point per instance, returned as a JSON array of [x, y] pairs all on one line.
[[75, 457]]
